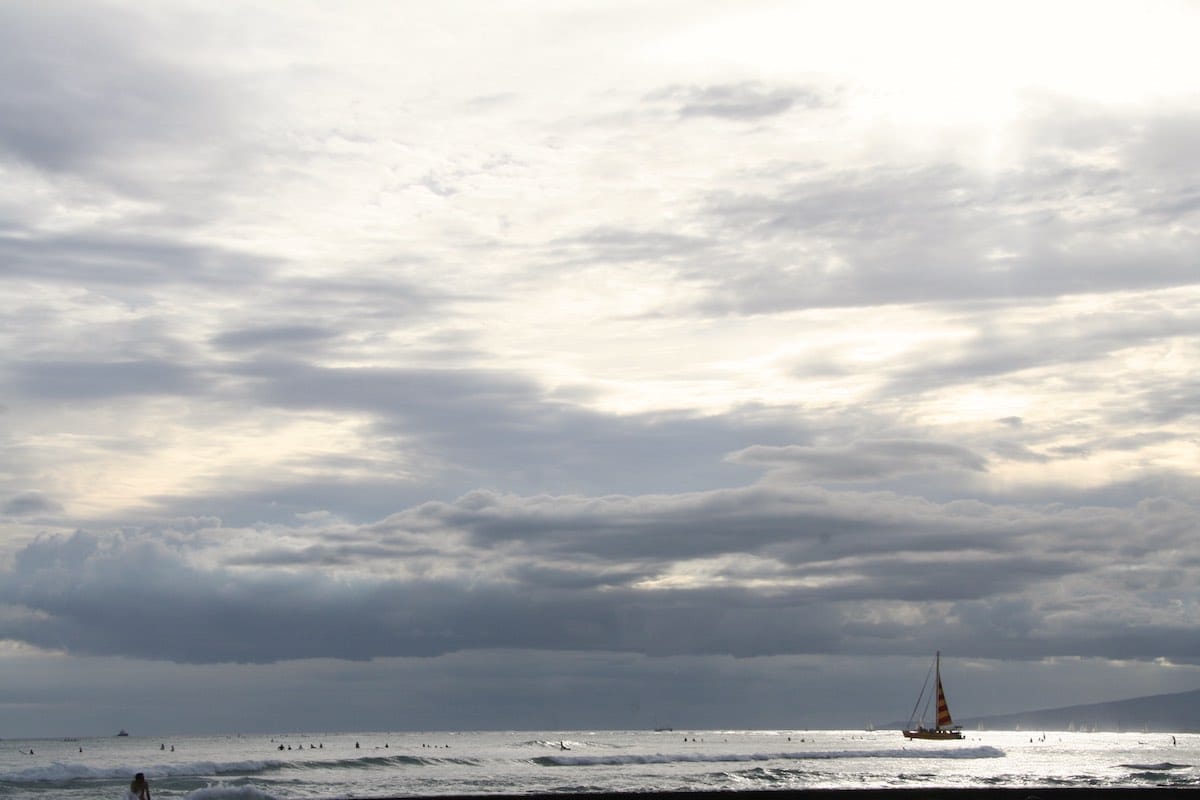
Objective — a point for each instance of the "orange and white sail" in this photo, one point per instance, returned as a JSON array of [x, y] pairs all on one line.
[[944, 727], [943, 710]]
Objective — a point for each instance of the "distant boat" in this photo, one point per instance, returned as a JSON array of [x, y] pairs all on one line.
[[944, 727], [123, 732]]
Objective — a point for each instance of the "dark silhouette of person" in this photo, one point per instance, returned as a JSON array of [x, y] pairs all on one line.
[[139, 789]]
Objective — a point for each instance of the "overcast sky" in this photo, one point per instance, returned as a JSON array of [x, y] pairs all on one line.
[[378, 365]]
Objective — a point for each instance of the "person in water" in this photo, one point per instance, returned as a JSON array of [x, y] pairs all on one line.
[[139, 789]]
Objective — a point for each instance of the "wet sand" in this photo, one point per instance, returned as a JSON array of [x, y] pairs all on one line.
[[914, 793]]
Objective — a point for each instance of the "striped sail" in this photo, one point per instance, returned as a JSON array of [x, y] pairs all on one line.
[[943, 710], [944, 727]]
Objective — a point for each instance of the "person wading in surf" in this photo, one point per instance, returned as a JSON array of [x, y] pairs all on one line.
[[139, 789]]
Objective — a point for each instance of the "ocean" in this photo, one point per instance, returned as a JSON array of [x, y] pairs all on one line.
[[321, 766]]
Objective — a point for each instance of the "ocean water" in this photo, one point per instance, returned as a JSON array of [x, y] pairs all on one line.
[[322, 766]]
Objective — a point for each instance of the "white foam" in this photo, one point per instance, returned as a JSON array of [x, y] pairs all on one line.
[[228, 793], [668, 758], [59, 771]]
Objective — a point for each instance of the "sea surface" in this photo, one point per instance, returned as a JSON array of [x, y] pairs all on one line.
[[320, 766]]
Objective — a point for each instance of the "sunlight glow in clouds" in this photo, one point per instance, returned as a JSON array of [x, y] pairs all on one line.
[[952, 75], [949, 53]]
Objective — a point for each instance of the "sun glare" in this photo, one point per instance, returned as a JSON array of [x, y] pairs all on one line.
[[944, 62]]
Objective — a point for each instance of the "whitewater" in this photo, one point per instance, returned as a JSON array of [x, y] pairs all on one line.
[[324, 766]]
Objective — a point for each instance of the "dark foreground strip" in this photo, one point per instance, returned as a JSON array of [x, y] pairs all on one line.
[[914, 793]]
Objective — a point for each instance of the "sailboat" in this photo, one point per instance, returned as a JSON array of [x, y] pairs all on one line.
[[944, 727]]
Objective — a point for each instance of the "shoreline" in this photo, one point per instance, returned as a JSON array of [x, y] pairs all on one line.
[[901, 793], [898, 793]]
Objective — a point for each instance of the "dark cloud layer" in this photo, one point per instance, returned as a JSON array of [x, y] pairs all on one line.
[[755, 572]]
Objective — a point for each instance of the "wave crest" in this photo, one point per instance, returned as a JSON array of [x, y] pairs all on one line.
[[722, 758], [228, 793], [64, 771]]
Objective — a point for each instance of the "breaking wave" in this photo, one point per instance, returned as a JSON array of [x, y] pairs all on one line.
[[228, 793], [661, 758], [59, 771]]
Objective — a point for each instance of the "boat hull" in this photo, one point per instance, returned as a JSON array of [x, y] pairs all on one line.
[[937, 734]]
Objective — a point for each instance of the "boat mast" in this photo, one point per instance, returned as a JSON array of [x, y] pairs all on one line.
[[937, 683], [913, 716], [944, 720]]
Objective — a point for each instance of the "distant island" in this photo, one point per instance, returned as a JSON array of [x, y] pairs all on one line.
[[1170, 713]]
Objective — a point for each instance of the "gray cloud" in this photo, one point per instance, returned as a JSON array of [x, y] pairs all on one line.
[[938, 233], [1015, 451], [507, 431], [282, 336], [1001, 345], [127, 265], [29, 503], [743, 101], [89, 90], [618, 245], [85, 380], [861, 460]]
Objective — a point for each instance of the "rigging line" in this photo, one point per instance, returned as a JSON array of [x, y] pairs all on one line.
[[913, 716]]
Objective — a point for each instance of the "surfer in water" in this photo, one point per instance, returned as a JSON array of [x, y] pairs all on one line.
[[139, 789]]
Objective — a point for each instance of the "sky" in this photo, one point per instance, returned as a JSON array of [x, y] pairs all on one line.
[[557, 365]]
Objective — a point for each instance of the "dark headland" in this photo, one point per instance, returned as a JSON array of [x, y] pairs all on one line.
[[1176, 713]]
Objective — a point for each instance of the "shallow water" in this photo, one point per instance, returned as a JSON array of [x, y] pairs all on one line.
[[375, 764]]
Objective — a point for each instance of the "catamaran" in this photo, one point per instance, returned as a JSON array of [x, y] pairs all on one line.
[[944, 727]]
